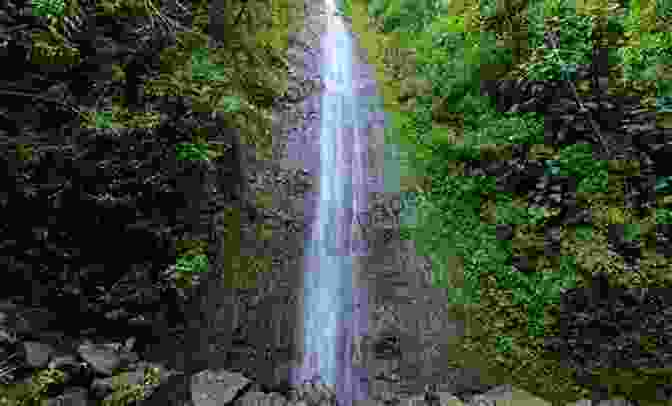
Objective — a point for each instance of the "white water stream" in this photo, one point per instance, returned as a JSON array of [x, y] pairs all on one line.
[[334, 307]]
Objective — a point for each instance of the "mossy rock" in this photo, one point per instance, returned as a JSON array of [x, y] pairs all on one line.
[[640, 383], [413, 87], [627, 167], [526, 366], [656, 267], [542, 151], [495, 152], [15, 394], [191, 247]]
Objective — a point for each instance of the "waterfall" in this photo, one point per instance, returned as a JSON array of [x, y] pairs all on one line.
[[334, 307]]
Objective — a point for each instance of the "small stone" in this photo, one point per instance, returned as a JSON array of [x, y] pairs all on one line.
[[556, 197], [37, 354], [504, 232]]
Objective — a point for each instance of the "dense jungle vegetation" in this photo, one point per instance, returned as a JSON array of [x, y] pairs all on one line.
[[437, 54]]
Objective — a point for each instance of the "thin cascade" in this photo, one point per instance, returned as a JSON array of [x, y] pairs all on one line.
[[332, 310]]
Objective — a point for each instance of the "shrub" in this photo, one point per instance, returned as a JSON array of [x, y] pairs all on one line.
[[575, 45], [45, 8], [577, 160], [663, 216]]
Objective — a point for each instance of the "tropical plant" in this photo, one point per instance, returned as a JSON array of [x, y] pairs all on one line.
[[584, 232], [631, 232], [203, 69], [192, 151], [663, 216], [126, 394], [575, 45], [577, 160], [45, 8], [192, 264], [407, 15], [596, 183], [376, 8], [504, 344]]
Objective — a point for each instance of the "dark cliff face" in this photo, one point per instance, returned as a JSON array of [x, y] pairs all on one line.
[[256, 330], [94, 217]]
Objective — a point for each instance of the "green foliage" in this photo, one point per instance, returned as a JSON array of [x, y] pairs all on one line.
[[640, 60], [631, 232], [119, 117], [103, 119], [124, 394], [577, 160], [230, 104], [190, 247], [192, 264], [452, 59], [536, 22], [45, 8], [32, 393], [596, 183], [449, 210], [504, 344], [407, 15], [450, 225], [663, 216], [645, 50], [203, 69], [505, 128], [538, 289], [231, 80], [453, 62], [507, 213], [575, 45], [447, 24], [592, 176], [395, 15], [536, 215], [376, 8], [584, 232], [192, 151], [554, 7], [487, 8], [552, 67], [49, 47], [664, 9]]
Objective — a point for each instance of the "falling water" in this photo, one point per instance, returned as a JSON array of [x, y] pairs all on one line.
[[334, 306]]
